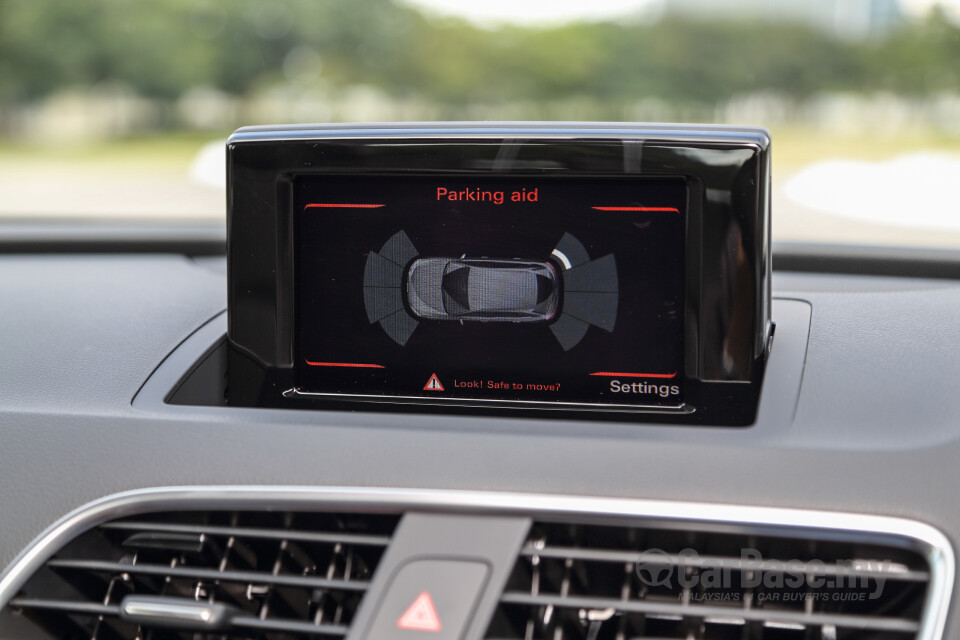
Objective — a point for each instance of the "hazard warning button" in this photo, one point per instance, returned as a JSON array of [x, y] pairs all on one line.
[[422, 615], [429, 600]]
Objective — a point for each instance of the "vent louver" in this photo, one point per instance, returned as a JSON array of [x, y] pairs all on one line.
[[193, 576], [586, 582]]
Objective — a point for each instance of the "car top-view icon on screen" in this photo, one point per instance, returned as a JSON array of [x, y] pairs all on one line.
[[482, 289]]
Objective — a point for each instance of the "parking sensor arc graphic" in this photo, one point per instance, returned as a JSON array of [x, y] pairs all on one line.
[[590, 292], [383, 287], [490, 290]]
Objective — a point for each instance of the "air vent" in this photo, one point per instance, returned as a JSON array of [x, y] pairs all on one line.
[[193, 576], [585, 582]]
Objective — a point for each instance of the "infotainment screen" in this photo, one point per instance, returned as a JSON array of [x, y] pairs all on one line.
[[478, 288], [582, 271]]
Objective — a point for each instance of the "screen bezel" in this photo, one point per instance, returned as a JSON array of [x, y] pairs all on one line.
[[731, 165]]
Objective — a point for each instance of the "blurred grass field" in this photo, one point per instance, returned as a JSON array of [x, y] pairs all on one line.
[[161, 150], [794, 148], [138, 179], [149, 178]]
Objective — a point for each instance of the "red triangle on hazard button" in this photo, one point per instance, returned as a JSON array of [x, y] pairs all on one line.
[[421, 615], [433, 384]]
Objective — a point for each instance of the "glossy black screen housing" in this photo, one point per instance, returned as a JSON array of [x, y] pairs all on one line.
[[608, 326], [727, 300]]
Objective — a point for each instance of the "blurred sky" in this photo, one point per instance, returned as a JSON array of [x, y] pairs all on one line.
[[541, 11]]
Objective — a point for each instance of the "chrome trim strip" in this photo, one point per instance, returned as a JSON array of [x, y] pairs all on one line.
[[490, 402], [923, 537], [651, 133]]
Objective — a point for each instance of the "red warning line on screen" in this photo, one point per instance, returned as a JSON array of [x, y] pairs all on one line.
[[613, 374], [356, 365], [664, 209], [341, 205]]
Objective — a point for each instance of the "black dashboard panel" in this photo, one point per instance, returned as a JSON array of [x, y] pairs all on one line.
[[859, 417]]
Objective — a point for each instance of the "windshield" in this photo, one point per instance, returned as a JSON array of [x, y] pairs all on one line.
[[119, 110]]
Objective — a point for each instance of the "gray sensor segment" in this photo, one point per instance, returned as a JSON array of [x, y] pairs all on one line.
[[399, 249], [569, 331], [598, 309], [380, 272], [594, 276], [381, 302], [399, 326]]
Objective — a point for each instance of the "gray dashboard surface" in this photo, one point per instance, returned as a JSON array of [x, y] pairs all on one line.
[[80, 333], [876, 428]]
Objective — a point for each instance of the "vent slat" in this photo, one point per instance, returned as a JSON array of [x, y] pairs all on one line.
[[869, 568], [93, 608], [279, 575], [250, 532], [866, 623], [582, 581], [289, 626], [183, 571], [239, 622]]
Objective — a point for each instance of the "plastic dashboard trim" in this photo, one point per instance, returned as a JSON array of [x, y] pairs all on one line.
[[924, 537]]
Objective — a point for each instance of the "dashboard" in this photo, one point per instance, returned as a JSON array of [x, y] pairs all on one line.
[[115, 377]]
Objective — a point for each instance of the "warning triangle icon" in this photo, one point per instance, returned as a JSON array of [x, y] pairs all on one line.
[[433, 384], [421, 615]]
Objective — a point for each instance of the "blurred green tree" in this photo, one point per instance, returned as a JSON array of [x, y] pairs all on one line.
[[162, 48]]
